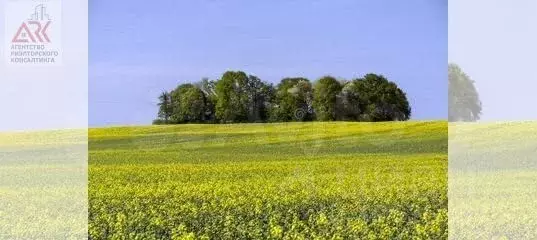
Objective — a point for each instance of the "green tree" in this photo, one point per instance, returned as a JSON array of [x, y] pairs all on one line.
[[293, 101], [463, 98], [259, 99], [380, 99], [193, 105], [208, 87], [165, 107], [325, 95], [266, 101], [232, 97], [188, 103], [348, 103]]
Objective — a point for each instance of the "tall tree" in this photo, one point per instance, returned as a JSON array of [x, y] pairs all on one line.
[[188, 103], [259, 97], [192, 105], [380, 99], [348, 103], [208, 87], [325, 98], [232, 97], [165, 107], [464, 103]]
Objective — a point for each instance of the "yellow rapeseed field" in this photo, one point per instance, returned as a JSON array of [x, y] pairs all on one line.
[[269, 181], [493, 180]]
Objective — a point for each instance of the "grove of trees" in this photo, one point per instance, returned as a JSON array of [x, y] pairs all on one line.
[[241, 98]]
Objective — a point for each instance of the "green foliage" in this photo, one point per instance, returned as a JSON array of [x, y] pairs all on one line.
[[380, 99], [325, 98], [348, 103], [293, 100], [310, 180], [188, 104], [165, 108], [159, 121], [208, 88], [464, 103], [193, 105], [232, 97], [260, 96], [238, 98]]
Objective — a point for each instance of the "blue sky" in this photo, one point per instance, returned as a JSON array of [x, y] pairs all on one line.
[[138, 49]]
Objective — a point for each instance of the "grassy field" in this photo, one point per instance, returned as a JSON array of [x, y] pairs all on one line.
[[493, 180], [270, 181], [43, 185]]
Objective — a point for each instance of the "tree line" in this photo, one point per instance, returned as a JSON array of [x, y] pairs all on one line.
[[241, 98]]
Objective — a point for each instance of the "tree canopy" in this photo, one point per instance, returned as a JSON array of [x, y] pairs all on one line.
[[463, 98], [325, 98], [188, 104], [380, 99], [293, 100], [238, 97], [232, 97]]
